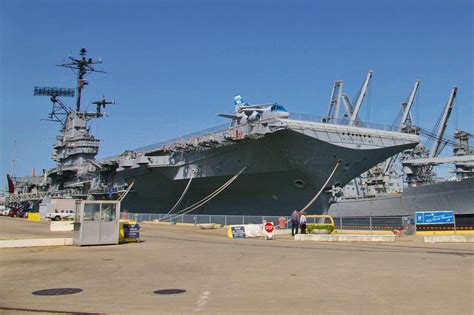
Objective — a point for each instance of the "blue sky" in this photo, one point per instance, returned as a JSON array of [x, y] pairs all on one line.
[[173, 65]]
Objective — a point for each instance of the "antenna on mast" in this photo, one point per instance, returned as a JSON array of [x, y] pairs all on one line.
[[82, 67], [101, 104]]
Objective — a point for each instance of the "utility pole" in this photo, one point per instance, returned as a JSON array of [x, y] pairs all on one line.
[[13, 159]]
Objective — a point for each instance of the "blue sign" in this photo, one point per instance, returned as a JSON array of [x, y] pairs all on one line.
[[435, 217], [131, 234], [131, 226], [131, 230], [238, 231]]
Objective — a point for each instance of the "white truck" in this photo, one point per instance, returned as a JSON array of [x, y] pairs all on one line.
[[59, 215]]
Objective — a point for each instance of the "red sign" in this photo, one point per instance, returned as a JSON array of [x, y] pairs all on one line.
[[269, 227]]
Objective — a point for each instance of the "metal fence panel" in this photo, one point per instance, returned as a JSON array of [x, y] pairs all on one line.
[[347, 223]]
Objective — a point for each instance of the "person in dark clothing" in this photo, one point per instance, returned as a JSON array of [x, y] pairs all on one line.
[[295, 222]]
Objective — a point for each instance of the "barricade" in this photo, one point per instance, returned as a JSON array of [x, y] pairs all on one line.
[[34, 217]]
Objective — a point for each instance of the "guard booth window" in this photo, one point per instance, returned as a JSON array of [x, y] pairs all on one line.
[[108, 212], [91, 211]]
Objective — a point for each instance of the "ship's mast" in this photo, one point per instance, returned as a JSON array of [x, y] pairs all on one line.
[[82, 66]]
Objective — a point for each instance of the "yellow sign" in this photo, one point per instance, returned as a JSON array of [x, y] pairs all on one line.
[[34, 217]]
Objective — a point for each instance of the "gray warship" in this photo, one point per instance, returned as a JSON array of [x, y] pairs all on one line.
[[265, 161], [387, 191]]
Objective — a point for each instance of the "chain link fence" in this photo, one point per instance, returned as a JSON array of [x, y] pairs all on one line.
[[341, 223]]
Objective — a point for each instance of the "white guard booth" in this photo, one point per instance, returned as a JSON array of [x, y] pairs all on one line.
[[96, 222]]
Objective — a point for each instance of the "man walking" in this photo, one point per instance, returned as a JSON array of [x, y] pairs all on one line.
[[295, 222]]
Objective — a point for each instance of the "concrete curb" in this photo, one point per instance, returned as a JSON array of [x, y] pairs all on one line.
[[168, 223], [61, 226], [36, 242], [345, 238], [453, 238], [364, 232], [283, 232]]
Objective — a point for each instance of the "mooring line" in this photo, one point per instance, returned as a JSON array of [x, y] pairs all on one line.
[[322, 188], [183, 194], [126, 191], [209, 197]]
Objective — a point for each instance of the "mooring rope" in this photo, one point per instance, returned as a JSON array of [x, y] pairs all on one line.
[[183, 194], [126, 192], [209, 197], [322, 188]]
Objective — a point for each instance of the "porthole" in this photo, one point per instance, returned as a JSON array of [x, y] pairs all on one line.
[[299, 183]]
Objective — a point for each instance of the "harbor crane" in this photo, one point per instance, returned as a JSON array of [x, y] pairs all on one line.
[[360, 98], [422, 171], [406, 121], [352, 110], [334, 103], [439, 144]]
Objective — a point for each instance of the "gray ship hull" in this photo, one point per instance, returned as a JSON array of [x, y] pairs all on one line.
[[456, 196], [284, 171]]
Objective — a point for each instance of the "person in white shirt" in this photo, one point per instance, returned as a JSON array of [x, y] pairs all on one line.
[[303, 222]]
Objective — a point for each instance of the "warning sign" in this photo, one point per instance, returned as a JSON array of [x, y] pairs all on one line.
[[269, 227], [268, 230]]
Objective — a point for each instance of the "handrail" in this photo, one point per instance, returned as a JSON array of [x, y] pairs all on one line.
[[321, 216]]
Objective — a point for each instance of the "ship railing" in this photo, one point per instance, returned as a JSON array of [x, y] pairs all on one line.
[[215, 131], [369, 223], [209, 132], [340, 121]]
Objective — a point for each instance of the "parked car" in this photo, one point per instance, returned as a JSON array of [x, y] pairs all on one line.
[[58, 215], [13, 213], [5, 212]]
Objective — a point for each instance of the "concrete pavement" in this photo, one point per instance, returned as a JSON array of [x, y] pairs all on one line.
[[222, 275]]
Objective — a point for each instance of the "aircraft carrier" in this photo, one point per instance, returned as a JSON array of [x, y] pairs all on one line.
[[265, 161]]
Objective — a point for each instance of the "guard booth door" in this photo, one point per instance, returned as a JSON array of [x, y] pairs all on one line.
[[97, 223]]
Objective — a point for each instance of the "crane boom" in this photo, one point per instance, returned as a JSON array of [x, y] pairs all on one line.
[[409, 103], [436, 149], [406, 107], [360, 99], [335, 101]]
